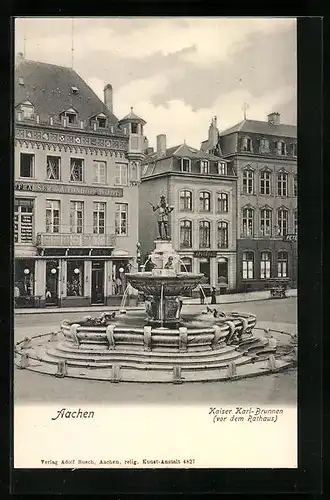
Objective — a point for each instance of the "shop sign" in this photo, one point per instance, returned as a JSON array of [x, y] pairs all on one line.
[[44, 187], [205, 253], [290, 237]]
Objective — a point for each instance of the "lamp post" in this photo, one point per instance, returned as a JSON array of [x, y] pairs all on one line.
[[26, 274]]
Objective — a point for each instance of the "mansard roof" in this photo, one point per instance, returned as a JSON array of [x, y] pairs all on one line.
[[263, 128]]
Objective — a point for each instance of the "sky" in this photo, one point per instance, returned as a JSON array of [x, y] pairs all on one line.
[[177, 72]]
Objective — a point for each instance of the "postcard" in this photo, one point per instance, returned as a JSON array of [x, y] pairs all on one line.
[[155, 235]]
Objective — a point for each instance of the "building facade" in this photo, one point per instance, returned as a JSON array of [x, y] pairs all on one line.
[[202, 189], [264, 155], [77, 174]]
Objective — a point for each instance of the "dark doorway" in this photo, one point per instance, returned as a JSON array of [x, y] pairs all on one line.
[[51, 292], [223, 274], [204, 268], [97, 282]]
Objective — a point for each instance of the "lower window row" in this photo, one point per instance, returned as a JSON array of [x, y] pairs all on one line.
[[265, 270]]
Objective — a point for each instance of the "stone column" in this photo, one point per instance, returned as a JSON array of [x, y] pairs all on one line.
[[40, 278], [213, 271], [87, 278], [63, 277], [108, 278]]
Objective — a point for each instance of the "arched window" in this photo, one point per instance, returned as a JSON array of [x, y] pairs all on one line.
[[295, 185], [222, 234], [282, 222], [204, 201], [248, 222], [222, 200], [282, 264], [185, 200], [265, 182], [185, 234], [265, 222], [265, 265], [204, 234], [248, 265], [248, 181], [295, 221], [282, 184]]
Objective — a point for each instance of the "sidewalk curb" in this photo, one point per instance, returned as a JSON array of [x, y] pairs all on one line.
[[95, 309]]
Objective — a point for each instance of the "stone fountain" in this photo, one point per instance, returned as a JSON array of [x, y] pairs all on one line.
[[160, 343]]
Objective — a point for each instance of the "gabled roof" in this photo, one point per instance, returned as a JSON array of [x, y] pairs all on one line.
[[262, 127], [182, 151], [49, 88]]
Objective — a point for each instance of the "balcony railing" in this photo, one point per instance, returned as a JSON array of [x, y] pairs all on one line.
[[75, 240]]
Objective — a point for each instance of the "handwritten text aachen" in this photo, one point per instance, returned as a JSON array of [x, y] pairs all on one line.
[[65, 413], [240, 414]]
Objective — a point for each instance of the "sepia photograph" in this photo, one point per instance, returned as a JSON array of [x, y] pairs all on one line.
[[155, 241]]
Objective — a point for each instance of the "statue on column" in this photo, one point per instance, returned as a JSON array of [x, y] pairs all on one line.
[[164, 209]]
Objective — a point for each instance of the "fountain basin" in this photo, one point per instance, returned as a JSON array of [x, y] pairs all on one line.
[[173, 283]]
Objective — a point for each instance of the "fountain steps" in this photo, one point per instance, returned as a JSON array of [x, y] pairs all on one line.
[[125, 363]]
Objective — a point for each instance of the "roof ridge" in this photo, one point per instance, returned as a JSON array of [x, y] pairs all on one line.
[[47, 64]]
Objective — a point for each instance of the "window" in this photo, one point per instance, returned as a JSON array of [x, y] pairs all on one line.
[[101, 122], [186, 265], [27, 110], [204, 167], [27, 165], [204, 201], [222, 234], [71, 117], [248, 265], [247, 220], [75, 278], [222, 202], [204, 234], [265, 265], [265, 222], [248, 176], [295, 222], [76, 217], [295, 185], [185, 165], [222, 168], [185, 234], [282, 184], [264, 146], [281, 148], [121, 174], [185, 200], [294, 149], [53, 168], [247, 144], [282, 265], [76, 170], [99, 172], [134, 128], [52, 216], [265, 179], [282, 222], [121, 219], [98, 217], [23, 220]]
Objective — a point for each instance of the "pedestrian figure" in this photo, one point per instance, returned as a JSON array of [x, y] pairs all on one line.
[[213, 296]]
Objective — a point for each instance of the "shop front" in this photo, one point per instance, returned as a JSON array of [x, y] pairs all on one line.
[[24, 283]]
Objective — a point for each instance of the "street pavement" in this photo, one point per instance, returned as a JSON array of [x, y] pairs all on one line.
[[279, 388]]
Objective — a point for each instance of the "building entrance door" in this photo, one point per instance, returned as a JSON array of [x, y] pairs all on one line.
[[52, 281], [97, 282], [204, 268], [223, 273]]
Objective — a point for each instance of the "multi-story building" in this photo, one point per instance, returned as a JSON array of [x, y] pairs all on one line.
[[77, 172], [202, 189], [264, 155]]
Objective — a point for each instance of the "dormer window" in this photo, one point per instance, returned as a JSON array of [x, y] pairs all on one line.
[[264, 146], [27, 110], [74, 90], [134, 128], [294, 149], [185, 165], [204, 167], [222, 168], [70, 116], [281, 148], [247, 144], [101, 122]]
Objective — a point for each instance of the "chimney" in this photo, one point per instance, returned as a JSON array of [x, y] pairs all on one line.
[[108, 95], [161, 144], [274, 118]]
